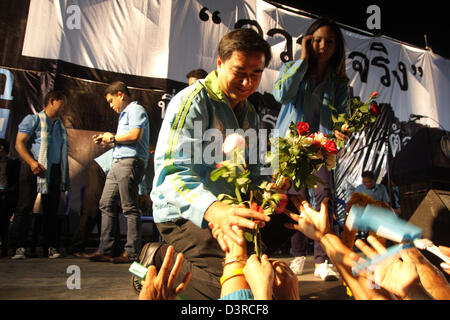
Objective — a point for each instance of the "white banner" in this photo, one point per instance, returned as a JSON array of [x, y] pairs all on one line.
[[166, 39]]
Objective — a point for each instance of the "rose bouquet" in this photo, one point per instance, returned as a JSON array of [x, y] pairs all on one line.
[[300, 155], [262, 198], [361, 115]]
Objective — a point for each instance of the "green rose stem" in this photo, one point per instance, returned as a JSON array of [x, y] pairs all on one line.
[[238, 193], [256, 241], [257, 235]]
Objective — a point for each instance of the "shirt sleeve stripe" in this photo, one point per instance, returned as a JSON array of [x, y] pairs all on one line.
[[178, 124]]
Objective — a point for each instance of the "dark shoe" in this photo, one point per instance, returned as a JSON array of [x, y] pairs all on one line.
[[123, 258], [73, 251], [98, 257], [82, 254], [146, 258]]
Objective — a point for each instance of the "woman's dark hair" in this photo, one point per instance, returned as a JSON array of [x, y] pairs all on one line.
[[337, 61], [246, 40]]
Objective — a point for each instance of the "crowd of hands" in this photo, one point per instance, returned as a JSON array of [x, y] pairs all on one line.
[[406, 276]]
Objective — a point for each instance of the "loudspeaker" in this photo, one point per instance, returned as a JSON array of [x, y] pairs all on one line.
[[433, 216], [423, 159], [412, 195]]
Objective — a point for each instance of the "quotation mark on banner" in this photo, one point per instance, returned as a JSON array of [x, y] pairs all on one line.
[[204, 16], [417, 69]]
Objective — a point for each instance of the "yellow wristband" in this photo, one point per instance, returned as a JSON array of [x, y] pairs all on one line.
[[234, 273]]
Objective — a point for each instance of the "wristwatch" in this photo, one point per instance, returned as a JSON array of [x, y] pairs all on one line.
[[112, 139]]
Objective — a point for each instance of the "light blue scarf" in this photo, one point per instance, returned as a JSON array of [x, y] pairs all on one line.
[[42, 183]]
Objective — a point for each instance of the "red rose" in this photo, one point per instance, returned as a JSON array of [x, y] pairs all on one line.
[[330, 147], [302, 128], [374, 95], [375, 109], [254, 206], [282, 203]]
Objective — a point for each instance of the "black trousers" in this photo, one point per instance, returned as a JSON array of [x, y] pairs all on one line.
[[50, 202], [8, 201], [202, 257]]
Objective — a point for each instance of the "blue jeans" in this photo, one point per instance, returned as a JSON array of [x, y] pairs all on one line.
[[121, 191]]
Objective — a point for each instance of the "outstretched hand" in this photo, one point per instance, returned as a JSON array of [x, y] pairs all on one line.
[[260, 276], [285, 284], [396, 274], [160, 286], [311, 223], [225, 216]]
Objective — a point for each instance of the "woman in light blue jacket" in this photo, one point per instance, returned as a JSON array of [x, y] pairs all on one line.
[[306, 88]]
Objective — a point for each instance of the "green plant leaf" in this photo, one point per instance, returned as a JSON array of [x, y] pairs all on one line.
[[217, 173], [242, 181], [248, 236], [332, 107], [364, 108]]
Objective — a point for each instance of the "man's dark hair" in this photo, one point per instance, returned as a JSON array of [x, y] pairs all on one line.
[[117, 86], [246, 40], [55, 95], [197, 73], [368, 174], [5, 144]]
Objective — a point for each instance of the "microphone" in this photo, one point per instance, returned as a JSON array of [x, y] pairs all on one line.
[[417, 116]]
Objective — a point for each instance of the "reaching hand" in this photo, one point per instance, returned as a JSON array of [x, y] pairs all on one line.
[[225, 216], [445, 266], [259, 275], [431, 278], [230, 247], [395, 274], [310, 222], [285, 285], [159, 286]]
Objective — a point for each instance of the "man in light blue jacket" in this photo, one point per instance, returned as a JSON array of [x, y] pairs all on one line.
[[184, 198]]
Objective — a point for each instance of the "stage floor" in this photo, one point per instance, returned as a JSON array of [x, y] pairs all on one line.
[[45, 279]]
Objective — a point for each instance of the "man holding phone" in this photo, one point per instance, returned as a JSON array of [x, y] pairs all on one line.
[[130, 158]]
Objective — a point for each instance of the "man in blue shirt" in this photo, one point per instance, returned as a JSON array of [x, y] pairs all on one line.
[[43, 146], [370, 188], [130, 158]]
